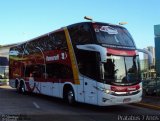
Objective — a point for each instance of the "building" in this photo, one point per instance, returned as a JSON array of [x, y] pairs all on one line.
[[152, 51], [157, 48], [145, 56], [4, 63], [148, 71]]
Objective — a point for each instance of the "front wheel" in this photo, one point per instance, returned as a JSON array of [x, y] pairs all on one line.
[[70, 97]]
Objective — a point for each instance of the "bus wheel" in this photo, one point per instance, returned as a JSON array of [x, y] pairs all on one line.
[[17, 85], [22, 88], [70, 97]]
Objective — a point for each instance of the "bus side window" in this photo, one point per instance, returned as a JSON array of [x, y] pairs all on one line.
[[28, 71], [80, 34], [58, 40], [88, 64], [34, 71], [59, 71]]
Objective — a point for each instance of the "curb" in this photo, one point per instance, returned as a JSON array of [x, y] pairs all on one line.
[[146, 105], [5, 87], [3, 84]]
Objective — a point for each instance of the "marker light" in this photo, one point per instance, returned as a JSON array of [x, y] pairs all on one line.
[[88, 18], [122, 23]]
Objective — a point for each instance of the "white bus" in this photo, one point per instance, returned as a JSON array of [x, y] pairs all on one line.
[[89, 62]]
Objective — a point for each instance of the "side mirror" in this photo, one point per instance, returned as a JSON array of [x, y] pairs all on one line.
[[96, 48]]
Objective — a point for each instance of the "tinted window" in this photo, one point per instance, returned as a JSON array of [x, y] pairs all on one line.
[[30, 48], [59, 71], [113, 35], [17, 50], [80, 34], [35, 71], [42, 43], [36, 46], [88, 63], [53, 41], [59, 40]]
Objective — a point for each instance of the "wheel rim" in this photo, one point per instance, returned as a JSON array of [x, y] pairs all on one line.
[[70, 97], [23, 89]]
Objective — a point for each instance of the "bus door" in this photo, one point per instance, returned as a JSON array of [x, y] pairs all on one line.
[[80, 91], [90, 91], [88, 66]]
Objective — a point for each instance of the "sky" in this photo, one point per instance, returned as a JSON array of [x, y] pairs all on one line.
[[21, 20]]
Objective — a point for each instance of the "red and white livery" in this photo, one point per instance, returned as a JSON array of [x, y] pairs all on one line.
[[89, 62]]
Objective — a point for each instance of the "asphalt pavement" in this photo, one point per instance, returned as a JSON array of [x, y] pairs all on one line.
[[32, 107], [152, 102]]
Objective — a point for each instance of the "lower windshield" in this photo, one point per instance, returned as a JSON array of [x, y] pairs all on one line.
[[121, 70]]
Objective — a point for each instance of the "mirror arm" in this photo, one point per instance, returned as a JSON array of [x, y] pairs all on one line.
[[150, 56]]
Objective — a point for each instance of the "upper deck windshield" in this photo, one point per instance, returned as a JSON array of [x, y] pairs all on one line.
[[121, 70], [110, 35]]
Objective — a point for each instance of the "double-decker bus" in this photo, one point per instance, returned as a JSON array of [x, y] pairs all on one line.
[[89, 62]]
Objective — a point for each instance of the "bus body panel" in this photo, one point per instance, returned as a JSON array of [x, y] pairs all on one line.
[[90, 92], [80, 90]]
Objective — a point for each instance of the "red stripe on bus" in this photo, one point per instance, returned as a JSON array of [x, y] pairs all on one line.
[[121, 52], [50, 80], [125, 88]]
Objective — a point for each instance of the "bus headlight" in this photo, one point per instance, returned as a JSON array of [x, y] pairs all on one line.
[[107, 91]]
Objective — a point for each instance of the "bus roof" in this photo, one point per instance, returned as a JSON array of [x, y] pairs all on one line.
[[67, 27], [95, 22]]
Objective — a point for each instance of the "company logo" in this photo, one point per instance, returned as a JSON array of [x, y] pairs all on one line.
[[118, 89], [109, 30], [131, 88], [61, 56], [52, 58], [125, 88]]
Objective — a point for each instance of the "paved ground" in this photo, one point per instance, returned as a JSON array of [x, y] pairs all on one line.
[[151, 102], [17, 107]]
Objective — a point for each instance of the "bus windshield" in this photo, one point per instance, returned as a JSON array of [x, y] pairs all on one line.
[[110, 35], [120, 70]]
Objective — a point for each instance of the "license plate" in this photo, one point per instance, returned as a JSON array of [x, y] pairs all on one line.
[[126, 100]]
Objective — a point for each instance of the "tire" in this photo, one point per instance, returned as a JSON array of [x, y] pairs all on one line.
[[17, 85], [70, 97], [22, 88]]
